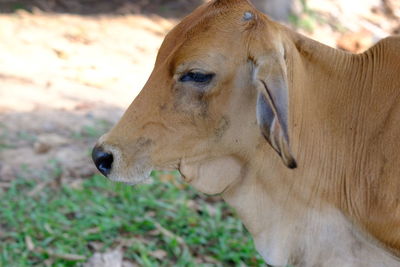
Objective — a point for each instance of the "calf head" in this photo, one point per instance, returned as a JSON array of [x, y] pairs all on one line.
[[217, 94]]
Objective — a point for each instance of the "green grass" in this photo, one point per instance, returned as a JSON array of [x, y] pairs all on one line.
[[18, 6], [167, 216], [4, 144]]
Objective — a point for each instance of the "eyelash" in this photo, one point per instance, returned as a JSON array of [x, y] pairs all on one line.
[[196, 77]]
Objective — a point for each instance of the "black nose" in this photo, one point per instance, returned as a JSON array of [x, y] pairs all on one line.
[[102, 160]]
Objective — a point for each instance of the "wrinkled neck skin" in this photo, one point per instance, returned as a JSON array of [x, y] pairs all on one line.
[[287, 230], [298, 216]]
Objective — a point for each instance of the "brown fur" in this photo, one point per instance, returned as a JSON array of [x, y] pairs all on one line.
[[340, 206]]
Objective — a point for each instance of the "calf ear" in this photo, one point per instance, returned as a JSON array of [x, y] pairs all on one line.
[[272, 105]]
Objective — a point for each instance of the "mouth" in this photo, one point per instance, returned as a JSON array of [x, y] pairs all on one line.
[[169, 166], [135, 173], [140, 172]]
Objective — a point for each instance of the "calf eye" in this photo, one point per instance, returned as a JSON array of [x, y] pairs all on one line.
[[196, 77]]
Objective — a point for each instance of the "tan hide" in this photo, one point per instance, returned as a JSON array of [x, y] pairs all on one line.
[[236, 101]]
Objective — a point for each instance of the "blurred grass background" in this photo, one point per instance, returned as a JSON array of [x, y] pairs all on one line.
[[68, 70], [165, 223]]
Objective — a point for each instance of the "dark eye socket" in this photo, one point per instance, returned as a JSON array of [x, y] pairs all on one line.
[[196, 77]]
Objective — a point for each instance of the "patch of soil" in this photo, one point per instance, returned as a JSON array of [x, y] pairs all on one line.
[[64, 81], [51, 144]]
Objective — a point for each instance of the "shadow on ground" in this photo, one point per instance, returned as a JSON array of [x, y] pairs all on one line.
[[164, 8], [52, 144]]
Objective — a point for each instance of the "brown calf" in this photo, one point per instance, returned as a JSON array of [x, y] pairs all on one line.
[[300, 138]]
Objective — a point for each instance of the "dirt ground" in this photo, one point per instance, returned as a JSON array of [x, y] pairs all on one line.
[[65, 79], [68, 69]]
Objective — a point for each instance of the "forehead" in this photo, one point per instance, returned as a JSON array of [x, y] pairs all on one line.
[[224, 15], [210, 26]]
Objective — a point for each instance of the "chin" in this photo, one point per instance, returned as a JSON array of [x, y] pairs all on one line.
[[131, 180]]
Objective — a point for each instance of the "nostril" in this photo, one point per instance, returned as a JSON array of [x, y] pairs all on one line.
[[102, 160], [105, 163]]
